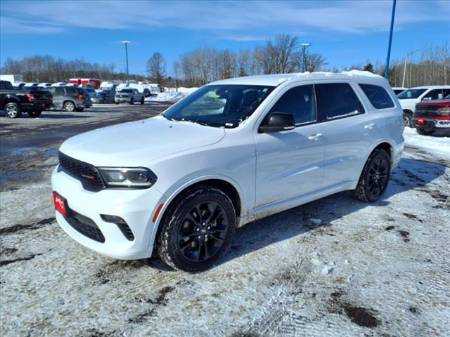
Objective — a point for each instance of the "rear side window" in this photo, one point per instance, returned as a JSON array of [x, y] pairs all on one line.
[[378, 96], [337, 100], [299, 101]]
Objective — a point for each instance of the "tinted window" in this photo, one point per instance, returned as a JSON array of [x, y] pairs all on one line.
[[299, 101], [446, 93], [5, 85], [59, 91], [379, 98], [336, 100], [411, 93], [434, 94], [71, 90]]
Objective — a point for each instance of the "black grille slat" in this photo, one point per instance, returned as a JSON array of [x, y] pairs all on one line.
[[85, 226], [86, 173]]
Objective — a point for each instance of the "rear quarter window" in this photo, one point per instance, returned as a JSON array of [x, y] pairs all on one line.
[[378, 96]]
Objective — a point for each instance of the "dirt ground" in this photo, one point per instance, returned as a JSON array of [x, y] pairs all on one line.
[[334, 267]]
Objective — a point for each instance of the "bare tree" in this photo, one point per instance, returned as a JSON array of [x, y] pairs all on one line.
[[156, 67]]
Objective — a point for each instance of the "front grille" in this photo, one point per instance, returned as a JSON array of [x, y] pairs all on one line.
[[85, 226], [86, 173]]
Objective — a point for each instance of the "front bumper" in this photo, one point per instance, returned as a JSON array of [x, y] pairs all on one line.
[[136, 207]]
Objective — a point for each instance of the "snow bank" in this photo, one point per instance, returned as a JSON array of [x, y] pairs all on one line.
[[439, 146], [171, 94]]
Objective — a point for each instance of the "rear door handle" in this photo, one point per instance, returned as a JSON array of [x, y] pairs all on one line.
[[369, 126], [315, 136]]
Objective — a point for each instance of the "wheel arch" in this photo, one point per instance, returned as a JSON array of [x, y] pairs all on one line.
[[226, 185]]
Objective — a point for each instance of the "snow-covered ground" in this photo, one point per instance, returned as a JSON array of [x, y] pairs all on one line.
[[171, 94], [440, 146], [335, 267]]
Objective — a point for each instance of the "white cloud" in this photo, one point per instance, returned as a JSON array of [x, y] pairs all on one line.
[[247, 20]]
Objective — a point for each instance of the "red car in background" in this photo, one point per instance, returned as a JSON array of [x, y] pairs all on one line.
[[84, 82], [432, 116]]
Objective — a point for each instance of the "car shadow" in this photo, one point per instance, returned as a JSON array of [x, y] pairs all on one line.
[[49, 115], [410, 174]]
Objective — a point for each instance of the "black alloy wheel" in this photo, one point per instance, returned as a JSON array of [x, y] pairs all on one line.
[[202, 232], [196, 231], [375, 176]]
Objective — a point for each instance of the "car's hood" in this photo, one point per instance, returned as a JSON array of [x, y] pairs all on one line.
[[139, 143]]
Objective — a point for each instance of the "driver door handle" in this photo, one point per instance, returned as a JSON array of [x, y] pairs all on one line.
[[315, 136]]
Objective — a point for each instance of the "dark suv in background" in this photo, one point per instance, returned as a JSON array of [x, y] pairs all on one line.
[[32, 100], [69, 98]]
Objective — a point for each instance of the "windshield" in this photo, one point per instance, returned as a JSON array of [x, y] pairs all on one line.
[[411, 93], [220, 105]]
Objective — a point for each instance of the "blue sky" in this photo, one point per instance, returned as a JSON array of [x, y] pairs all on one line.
[[345, 32]]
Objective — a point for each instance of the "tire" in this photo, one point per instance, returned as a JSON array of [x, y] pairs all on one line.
[[35, 113], [198, 224], [407, 119], [424, 132], [69, 106], [142, 100], [12, 110], [374, 177], [132, 101]]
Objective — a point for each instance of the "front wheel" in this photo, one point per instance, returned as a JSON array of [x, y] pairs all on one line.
[[374, 177], [197, 230], [12, 110], [142, 100], [35, 113], [132, 101]]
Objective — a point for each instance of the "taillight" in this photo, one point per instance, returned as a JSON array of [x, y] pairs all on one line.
[[420, 121], [81, 97], [30, 97]]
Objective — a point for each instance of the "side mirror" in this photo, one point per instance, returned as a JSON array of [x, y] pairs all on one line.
[[278, 121]]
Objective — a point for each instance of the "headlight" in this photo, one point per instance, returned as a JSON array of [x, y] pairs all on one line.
[[139, 177]]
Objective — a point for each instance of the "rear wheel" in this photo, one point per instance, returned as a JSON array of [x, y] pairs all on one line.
[[69, 106], [12, 110], [132, 101], [197, 230], [374, 177], [407, 119], [35, 113], [142, 100]]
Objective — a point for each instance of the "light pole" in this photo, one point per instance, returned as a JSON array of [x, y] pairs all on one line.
[[404, 66], [126, 54], [386, 69], [304, 46]]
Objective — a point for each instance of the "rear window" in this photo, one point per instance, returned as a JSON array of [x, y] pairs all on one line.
[[378, 96], [337, 100]]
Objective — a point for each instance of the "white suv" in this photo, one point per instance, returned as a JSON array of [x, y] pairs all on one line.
[[409, 98], [231, 152]]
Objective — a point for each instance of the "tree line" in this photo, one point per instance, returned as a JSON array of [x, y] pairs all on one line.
[[49, 69], [283, 54]]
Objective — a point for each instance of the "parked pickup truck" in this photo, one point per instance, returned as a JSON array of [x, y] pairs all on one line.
[[31, 100]]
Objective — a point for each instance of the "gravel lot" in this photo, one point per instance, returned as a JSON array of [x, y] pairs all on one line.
[[334, 267]]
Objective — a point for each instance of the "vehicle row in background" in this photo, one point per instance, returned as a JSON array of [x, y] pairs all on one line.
[[410, 97]]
